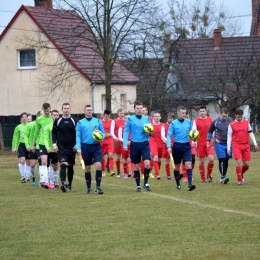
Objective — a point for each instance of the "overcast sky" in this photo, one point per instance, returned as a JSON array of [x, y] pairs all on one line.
[[8, 8]]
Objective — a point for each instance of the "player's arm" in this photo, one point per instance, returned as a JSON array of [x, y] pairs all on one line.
[[101, 128], [26, 138], [194, 125], [252, 136], [36, 132], [169, 136], [46, 138], [54, 133], [112, 130], [126, 133], [78, 137], [120, 134], [15, 140], [212, 128], [163, 134], [229, 139]]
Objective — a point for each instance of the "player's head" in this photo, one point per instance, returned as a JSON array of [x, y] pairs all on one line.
[[101, 115], [138, 106], [239, 114], [145, 110], [106, 114], [120, 113], [181, 112], [39, 113], [170, 117], [46, 107], [54, 114], [29, 117], [66, 109], [223, 113], [203, 111], [88, 111], [23, 118], [156, 117]]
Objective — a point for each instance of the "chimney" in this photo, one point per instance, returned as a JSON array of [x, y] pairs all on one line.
[[217, 38], [255, 16], [43, 3]]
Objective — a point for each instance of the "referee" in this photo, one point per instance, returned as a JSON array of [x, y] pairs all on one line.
[[181, 150], [64, 141]]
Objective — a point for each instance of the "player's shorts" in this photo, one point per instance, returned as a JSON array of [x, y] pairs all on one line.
[[139, 150], [203, 151], [43, 150], [53, 158], [22, 152], [37, 151], [33, 156], [107, 148], [91, 153], [66, 155], [156, 151], [241, 151], [118, 147], [181, 152], [221, 151], [126, 154]]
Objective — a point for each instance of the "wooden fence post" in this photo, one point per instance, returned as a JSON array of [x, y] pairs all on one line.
[[2, 144]]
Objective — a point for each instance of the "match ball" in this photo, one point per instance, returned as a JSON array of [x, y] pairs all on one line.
[[97, 135], [194, 135], [148, 129]]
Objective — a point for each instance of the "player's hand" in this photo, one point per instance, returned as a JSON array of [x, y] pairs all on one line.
[[129, 142], [48, 150], [194, 144], [55, 147], [14, 151], [169, 150], [208, 144], [28, 149], [79, 152], [116, 139], [33, 148], [228, 152], [256, 148], [125, 149]]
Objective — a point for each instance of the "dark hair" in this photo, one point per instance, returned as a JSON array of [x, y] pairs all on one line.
[[170, 114], [65, 104], [22, 114], [181, 108], [138, 103], [87, 106], [224, 110], [203, 107], [106, 112], [54, 110], [28, 114], [46, 105], [239, 112]]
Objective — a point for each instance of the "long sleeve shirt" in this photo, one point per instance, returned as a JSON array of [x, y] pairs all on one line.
[[85, 129], [41, 122], [20, 136]]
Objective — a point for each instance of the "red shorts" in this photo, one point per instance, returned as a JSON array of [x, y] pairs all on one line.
[[107, 148], [241, 151], [156, 151], [203, 151], [126, 154], [118, 147], [165, 153]]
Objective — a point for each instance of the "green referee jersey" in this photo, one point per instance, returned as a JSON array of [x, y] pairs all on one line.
[[41, 123], [20, 135], [47, 137]]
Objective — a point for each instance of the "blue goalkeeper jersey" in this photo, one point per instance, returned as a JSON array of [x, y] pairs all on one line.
[[85, 129], [135, 127], [180, 129]]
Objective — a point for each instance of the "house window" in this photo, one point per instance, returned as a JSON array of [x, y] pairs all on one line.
[[123, 101], [103, 102], [26, 59]]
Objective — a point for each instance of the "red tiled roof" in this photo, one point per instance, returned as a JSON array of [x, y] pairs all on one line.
[[73, 38]]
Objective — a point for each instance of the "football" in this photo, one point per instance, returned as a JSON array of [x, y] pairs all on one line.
[[194, 135], [97, 135], [148, 129]]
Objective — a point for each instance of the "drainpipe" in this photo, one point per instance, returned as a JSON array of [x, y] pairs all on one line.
[[93, 84]]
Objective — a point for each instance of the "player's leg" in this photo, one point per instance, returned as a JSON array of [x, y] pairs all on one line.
[[87, 157], [118, 153], [97, 158], [71, 162], [187, 159], [21, 154], [146, 155], [135, 156], [43, 169], [210, 154], [177, 153]]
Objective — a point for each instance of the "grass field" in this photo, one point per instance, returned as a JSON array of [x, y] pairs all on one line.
[[215, 221]]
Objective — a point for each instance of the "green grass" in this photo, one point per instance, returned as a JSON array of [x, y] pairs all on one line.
[[213, 222]]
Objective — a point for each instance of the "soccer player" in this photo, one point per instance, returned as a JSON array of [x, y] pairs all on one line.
[[52, 155], [239, 132], [107, 145], [41, 123], [139, 146], [220, 127], [164, 131], [156, 144], [20, 145], [116, 123], [90, 149], [181, 150], [202, 124], [64, 141]]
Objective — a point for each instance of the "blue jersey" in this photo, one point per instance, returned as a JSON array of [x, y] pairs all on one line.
[[135, 127], [85, 129], [180, 130]]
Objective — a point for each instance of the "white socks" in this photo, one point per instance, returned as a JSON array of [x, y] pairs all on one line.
[[22, 169]]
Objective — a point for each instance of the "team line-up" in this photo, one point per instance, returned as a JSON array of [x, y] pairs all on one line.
[[140, 140]]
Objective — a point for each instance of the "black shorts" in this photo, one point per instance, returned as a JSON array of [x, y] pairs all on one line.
[[22, 152], [67, 155], [43, 150], [139, 150], [53, 158], [91, 153], [37, 151], [33, 156]]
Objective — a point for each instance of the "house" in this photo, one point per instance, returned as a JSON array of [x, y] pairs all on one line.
[[47, 55]]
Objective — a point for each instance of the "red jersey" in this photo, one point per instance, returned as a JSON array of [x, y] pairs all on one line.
[[107, 126], [115, 126], [156, 138], [240, 131], [202, 125]]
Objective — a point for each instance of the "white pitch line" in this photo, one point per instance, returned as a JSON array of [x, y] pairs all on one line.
[[197, 203]]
